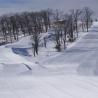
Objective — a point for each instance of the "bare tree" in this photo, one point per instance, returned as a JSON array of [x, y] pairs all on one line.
[[58, 27], [76, 16], [36, 39], [71, 28], [4, 28], [87, 16]]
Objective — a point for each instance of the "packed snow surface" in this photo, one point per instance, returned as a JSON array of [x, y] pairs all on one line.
[[72, 73]]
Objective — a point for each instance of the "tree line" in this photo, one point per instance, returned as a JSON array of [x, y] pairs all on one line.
[[33, 23]]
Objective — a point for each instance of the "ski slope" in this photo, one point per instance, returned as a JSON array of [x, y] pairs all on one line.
[[81, 59], [70, 74]]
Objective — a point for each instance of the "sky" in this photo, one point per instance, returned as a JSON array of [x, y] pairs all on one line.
[[13, 6]]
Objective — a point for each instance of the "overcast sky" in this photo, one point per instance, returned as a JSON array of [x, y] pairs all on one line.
[[12, 6]]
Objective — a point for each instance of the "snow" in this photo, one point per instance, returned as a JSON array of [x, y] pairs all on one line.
[[25, 42], [70, 74], [49, 87]]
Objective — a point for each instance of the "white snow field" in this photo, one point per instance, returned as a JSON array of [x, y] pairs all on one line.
[[70, 74]]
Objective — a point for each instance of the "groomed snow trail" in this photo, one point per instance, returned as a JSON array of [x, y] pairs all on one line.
[[72, 74], [81, 59]]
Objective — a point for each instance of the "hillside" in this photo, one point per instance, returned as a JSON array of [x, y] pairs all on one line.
[[69, 74]]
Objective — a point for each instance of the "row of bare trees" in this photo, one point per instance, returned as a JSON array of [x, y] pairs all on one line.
[[67, 28], [33, 23], [13, 26]]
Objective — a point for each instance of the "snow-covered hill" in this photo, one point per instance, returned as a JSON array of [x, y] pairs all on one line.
[[69, 74]]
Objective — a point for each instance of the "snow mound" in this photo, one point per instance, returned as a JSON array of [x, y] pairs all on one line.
[[25, 42]]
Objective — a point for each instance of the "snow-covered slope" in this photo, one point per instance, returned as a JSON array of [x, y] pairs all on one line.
[[79, 59], [25, 42], [70, 74]]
